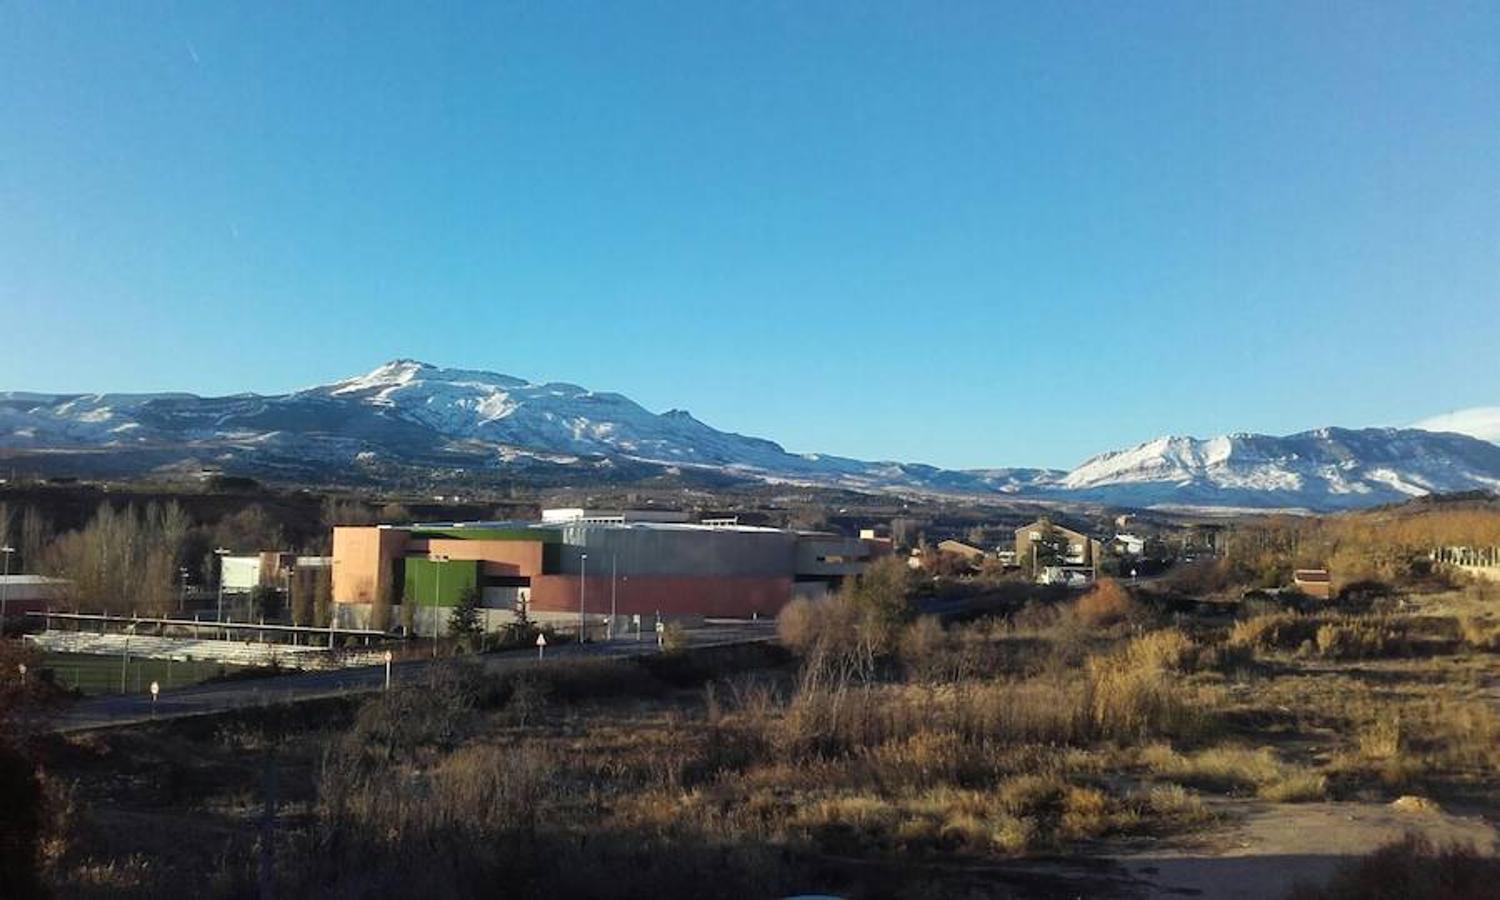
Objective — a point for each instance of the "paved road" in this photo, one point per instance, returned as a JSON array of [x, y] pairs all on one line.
[[204, 699]]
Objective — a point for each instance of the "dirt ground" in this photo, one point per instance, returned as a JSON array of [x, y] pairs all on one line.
[[1266, 848]]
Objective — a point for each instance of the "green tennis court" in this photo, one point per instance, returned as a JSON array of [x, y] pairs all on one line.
[[93, 674]]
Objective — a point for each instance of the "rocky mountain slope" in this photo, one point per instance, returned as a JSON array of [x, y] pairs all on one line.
[[408, 416]]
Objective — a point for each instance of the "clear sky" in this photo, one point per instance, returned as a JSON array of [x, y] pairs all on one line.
[[968, 234]]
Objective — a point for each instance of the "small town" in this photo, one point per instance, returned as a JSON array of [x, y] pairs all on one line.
[[755, 451]]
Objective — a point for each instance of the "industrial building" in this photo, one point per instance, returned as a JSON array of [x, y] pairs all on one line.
[[21, 594], [608, 563], [243, 574]]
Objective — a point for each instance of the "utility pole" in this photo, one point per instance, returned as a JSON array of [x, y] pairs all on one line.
[[583, 571], [221, 552], [438, 559], [614, 568], [5, 585]]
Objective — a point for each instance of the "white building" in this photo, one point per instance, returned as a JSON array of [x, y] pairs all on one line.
[[565, 515], [243, 574]]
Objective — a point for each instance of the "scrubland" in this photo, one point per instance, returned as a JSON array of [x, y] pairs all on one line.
[[877, 755]]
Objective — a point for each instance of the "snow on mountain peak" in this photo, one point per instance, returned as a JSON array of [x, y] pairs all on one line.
[[406, 411]]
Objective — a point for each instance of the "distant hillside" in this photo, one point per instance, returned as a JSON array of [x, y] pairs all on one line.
[[408, 420]]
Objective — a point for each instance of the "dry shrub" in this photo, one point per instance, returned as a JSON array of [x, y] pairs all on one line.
[[490, 789], [674, 638], [1411, 869], [1335, 636], [1108, 603], [1035, 617], [1237, 769], [1173, 802], [1382, 738], [1048, 710], [838, 638], [798, 625], [1130, 700], [1357, 640], [433, 714], [1297, 787], [928, 652], [1480, 634], [1274, 631], [1168, 650], [926, 759]]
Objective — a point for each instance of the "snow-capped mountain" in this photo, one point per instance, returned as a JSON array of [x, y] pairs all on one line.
[[408, 418], [1481, 422], [409, 413], [1324, 469]]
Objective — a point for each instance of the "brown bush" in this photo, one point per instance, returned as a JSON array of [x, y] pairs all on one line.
[[798, 625], [1480, 634], [1108, 603], [1411, 869]]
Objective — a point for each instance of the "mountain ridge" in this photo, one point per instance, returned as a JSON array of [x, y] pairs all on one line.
[[410, 415]]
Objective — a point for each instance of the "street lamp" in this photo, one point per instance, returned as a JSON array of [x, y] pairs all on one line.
[[437, 591], [583, 571], [5, 585], [125, 656], [220, 552], [614, 571]]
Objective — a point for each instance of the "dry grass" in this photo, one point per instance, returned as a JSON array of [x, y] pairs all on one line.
[[959, 744], [1237, 769], [1411, 869], [1108, 603], [1481, 634]]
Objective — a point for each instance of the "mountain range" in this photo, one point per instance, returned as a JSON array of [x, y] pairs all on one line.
[[409, 419]]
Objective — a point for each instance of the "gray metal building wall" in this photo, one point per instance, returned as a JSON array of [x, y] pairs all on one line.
[[646, 550]]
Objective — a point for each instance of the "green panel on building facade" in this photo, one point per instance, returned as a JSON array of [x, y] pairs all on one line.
[[446, 581]]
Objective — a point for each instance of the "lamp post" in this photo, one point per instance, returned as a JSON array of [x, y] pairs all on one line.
[[220, 552], [125, 656], [614, 570], [438, 559], [5, 585], [583, 571]]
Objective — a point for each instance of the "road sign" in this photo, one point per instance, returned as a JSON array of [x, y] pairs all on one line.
[[21, 667], [541, 645], [388, 657], [155, 689]]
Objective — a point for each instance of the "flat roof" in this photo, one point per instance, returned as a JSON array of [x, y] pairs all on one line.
[[544, 529]]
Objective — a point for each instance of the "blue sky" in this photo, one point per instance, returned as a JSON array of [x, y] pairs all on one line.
[[965, 234]]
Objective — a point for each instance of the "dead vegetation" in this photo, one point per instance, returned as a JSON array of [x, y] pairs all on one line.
[[885, 740], [1411, 869]]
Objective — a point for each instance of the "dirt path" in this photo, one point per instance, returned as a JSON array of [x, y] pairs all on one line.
[[1269, 848]]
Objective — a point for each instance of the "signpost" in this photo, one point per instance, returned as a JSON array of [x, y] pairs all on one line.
[[636, 621], [541, 645], [155, 690], [21, 667], [388, 657], [661, 631]]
